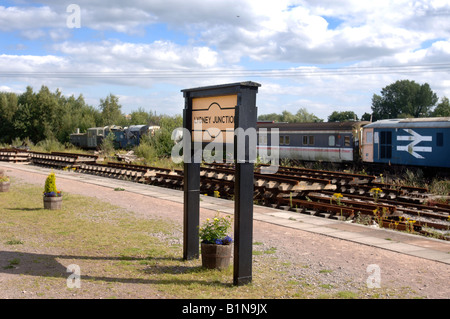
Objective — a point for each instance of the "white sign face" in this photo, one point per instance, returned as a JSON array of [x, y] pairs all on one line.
[[415, 139]]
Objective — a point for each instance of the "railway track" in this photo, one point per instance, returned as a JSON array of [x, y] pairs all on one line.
[[328, 194]]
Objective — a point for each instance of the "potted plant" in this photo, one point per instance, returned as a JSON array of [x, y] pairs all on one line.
[[4, 181], [52, 197], [216, 245]]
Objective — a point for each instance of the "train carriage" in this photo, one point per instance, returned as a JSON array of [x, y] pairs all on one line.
[[329, 142], [410, 142]]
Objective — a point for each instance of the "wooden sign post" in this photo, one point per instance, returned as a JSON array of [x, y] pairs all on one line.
[[222, 114]]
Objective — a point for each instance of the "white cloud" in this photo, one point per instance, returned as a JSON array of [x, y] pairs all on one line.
[[17, 18], [220, 35], [136, 57]]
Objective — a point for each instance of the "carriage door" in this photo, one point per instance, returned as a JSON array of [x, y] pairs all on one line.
[[367, 145], [91, 138]]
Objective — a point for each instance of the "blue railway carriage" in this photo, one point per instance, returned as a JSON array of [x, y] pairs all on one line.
[[134, 133], [328, 142], [411, 142]]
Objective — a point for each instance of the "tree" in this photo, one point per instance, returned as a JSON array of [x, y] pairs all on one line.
[[404, 98], [142, 117], [8, 107], [342, 116], [302, 115], [111, 110], [366, 117], [443, 108]]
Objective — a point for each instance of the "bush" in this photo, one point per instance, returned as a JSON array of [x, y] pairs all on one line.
[[107, 146], [50, 184], [49, 145], [162, 141], [146, 150]]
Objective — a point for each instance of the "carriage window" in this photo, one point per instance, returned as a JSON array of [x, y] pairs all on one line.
[[284, 140], [331, 140], [346, 140], [369, 137], [262, 139], [439, 139], [311, 140], [305, 140]]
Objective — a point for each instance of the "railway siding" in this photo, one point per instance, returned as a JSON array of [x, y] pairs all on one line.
[[335, 195]]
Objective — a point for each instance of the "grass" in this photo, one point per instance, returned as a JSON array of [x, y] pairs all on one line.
[[114, 249]]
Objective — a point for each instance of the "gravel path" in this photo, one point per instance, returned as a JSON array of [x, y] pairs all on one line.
[[307, 258]]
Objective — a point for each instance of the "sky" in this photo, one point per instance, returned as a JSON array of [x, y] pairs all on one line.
[[321, 55]]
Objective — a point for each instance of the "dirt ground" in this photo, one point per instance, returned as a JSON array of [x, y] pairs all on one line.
[[308, 253]]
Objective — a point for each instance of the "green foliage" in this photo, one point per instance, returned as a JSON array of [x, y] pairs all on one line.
[[50, 184], [4, 179], [302, 115], [48, 118], [443, 108], [141, 117], [403, 99], [111, 111], [43, 115], [162, 140], [366, 117], [145, 149], [107, 146], [49, 145], [342, 116], [440, 187], [215, 229]]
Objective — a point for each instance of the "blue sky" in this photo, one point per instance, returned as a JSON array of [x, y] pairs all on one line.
[[321, 55]]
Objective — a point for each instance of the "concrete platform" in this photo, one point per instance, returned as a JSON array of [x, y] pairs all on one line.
[[404, 243]]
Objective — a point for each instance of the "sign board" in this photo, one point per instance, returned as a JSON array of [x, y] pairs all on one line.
[[213, 118], [221, 114]]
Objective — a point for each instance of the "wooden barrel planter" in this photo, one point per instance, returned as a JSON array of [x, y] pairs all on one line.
[[54, 202], [216, 256], [4, 186]]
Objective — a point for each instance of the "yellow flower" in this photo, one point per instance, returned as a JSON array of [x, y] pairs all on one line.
[[376, 190]]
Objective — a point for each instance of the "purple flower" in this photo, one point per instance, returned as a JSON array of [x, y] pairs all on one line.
[[227, 240], [53, 194], [218, 242]]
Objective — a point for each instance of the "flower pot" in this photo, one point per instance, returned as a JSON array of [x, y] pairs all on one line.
[[4, 186], [216, 256], [54, 202]]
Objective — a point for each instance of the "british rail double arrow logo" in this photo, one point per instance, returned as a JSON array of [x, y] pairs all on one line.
[[415, 139]]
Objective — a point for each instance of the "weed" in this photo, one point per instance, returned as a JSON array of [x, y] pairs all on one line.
[[12, 263], [325, 271], [14, 242]]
